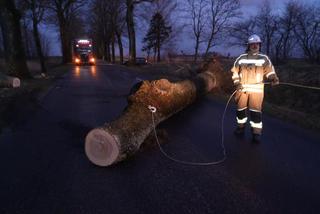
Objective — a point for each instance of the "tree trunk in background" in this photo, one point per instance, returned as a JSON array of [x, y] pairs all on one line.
[[26, 39], [38, 46], [64, 37], [206, 53], [120, 46], [108, 54], [113, 49], [154, 55], [101, 49], [121, 138], [131, 31], [196, 50], [285, 47], [12, 39], [65, 42]]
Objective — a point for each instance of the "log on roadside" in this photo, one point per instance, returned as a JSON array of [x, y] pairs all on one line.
[[121, 138], [8, 81]]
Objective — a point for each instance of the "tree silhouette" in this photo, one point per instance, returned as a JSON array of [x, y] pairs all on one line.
[[157, 34], [12, 41], [131, 27], [35, 10]]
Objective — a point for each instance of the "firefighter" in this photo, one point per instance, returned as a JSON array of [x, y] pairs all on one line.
[[248, 73]]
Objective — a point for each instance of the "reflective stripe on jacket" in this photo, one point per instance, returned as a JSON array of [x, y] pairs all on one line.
[[250, 70]]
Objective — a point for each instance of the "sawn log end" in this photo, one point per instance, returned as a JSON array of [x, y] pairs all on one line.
[[101, 147]]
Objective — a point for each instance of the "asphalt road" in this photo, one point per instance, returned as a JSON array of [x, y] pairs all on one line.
[[44, 168]]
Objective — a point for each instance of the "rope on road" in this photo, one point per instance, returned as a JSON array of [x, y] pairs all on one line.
[[299, 86], [294, 85], [153, 110]]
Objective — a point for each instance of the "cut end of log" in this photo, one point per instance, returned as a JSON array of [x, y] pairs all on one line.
[[15, 82], [101, 148]]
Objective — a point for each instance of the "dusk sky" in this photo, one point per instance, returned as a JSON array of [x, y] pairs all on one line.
[[186, 44], [248, 8]]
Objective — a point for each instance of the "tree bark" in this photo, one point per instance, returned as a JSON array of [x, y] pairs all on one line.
[[12, 40], [38, 45], [131, 32], [120, 46], [196, 49], [26, 39], [113, 52], [121, 138], [65, 40], [108, 54], [154, 54]]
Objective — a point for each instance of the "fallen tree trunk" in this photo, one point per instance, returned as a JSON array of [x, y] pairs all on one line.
[[9, 82], [115, 141]]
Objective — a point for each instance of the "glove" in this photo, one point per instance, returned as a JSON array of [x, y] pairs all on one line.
[[238, 86], [274, 80]]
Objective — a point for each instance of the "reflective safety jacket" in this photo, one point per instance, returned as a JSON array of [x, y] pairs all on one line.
[[250, 70]]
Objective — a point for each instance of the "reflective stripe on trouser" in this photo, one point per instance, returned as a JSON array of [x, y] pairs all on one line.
[[256, 121], [242, 117], [254, 102], [257, 88]]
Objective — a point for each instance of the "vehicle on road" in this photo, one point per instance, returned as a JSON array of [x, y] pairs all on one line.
[[82, 52], [139, 61]]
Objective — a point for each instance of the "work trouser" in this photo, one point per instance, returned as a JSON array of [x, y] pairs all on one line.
[[253, 101]]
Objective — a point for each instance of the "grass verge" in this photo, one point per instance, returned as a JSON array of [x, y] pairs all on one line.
[[29, 89]]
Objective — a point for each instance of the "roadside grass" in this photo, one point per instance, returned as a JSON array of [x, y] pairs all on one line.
[[29, 88], [293, 104], [296, 105]]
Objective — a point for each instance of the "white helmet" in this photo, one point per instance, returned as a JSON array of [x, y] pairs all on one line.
[[254, 39]]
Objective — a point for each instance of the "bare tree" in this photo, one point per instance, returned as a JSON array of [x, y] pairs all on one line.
[[195, 9], [131, 29], [276, 31], [45, 45], [118, 31], [221, 13], [65, 13], [107, 26], [99, 25], [36, 9], [241, 30], [12, 41], [26, 34], [266, 25], [117, 21], [119, 24], [307, 31], [287, 25]]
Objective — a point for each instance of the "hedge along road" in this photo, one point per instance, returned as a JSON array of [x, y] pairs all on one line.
[[44, 168]]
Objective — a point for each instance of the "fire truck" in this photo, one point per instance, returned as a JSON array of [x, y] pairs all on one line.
[[82, 52]]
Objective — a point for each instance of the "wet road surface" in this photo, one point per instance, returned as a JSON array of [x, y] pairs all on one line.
[[44, 168]]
